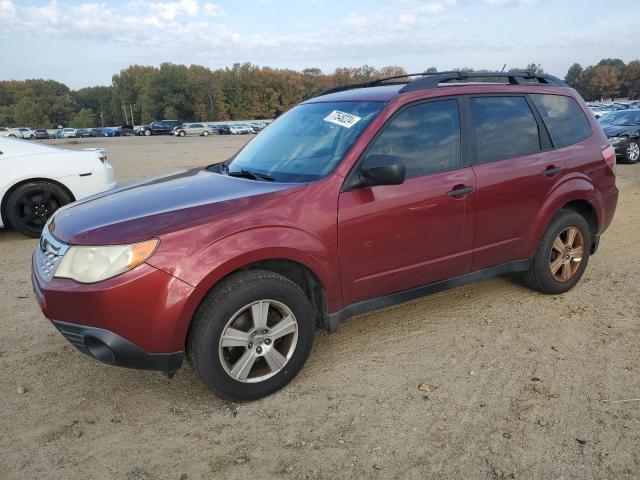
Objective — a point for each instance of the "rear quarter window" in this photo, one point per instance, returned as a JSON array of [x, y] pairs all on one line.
[[565, 120]]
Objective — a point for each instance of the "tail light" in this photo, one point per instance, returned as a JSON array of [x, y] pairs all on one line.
[[609, 156]]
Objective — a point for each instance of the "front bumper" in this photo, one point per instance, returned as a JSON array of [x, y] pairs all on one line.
[[130, 320], [113, 349]]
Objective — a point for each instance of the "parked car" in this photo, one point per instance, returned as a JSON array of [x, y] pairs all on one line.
[[125, 131], [352, 201], [223, 129], [240, 129], [41, 134], [85, 132], [160, 127], [623, 131], [36, 180], [69, 133], [27, 133], [10, 132], [192, 129], [106, 132]]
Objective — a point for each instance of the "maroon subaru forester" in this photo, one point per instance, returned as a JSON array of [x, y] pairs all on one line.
[[360, 198]]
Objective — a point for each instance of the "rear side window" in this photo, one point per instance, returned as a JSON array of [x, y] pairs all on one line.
[[565, 120], [426, 137], [504, 128]]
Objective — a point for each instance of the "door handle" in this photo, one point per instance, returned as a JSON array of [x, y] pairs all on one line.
[[458, 192], [547, 172]]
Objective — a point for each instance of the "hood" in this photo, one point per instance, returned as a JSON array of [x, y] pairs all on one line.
[[617, 130], [161, 205]]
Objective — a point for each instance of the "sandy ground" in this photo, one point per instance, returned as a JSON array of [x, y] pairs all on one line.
[[529, 386]]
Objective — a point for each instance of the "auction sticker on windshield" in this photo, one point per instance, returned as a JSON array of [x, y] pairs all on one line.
[[342, 118]]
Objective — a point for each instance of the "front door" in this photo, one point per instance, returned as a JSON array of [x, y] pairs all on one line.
[[395, 237]]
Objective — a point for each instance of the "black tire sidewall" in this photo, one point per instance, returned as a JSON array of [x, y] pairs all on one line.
[[61, 195], [561, 221], [210, 368]]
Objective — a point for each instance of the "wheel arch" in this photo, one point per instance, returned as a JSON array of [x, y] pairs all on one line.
[[578, 195], [10, 190], [299, 273]]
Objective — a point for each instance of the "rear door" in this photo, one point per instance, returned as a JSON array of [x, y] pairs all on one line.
[[515, 170], [395, 237]]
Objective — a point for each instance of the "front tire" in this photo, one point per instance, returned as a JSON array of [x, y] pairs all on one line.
[[562, 255], [251, 335], [30, 206], [205, 134], [147, 133], [182, 133]]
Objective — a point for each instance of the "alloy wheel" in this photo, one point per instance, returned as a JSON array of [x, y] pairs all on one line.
[[35, 207], [566, 254], [633, 152], [258, 341]]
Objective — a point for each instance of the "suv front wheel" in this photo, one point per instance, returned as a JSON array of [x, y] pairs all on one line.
[[562, 255], [251, 336]]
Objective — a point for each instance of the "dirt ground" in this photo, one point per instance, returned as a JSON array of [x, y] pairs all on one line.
[[529, 386]]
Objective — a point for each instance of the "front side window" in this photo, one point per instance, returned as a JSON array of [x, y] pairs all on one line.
[[504, 128], [307, 142], [564, 119], [425, 137]]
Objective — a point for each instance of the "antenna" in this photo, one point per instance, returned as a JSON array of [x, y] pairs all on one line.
[[503, 67]]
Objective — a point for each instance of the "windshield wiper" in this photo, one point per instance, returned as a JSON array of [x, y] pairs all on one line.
[[249, 174]]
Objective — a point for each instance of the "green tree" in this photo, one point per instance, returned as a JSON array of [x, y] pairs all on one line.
[[85, 118], [573, 78], [28, 112]]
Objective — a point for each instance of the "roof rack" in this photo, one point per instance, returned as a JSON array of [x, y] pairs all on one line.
[[432, 80]]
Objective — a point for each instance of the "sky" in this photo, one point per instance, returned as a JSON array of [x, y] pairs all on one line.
[[83, 43]]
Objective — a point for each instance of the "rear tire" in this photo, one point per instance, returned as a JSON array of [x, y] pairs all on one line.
[[562, 256], [30, 205], [147, 133], [205, 134], [231, 313]]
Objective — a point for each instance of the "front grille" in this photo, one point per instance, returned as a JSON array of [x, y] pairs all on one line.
[[48, 255]]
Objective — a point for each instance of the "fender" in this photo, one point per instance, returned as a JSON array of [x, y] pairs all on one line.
[[576, 186], [206, 268]]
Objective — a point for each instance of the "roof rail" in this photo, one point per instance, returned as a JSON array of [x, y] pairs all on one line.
[[515, 78], [370, 83], [432, 80]]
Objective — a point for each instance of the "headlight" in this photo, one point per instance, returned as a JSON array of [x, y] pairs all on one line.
[[94, 264], [617, 140]]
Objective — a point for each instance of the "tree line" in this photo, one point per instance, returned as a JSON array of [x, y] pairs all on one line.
[[140, 94]]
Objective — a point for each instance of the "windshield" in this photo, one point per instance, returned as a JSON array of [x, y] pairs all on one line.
[[621, 118], [307, 142]]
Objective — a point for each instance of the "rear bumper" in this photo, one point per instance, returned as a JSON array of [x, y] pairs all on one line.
[[113, 349]]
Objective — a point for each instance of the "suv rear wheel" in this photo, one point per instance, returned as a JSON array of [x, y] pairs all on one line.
[[251, 335], [562, 255]]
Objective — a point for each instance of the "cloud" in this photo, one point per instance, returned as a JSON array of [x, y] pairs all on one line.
[[7, 10], [212, 10]]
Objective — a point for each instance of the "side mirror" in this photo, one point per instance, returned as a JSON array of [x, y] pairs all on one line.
[[379, 170]]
